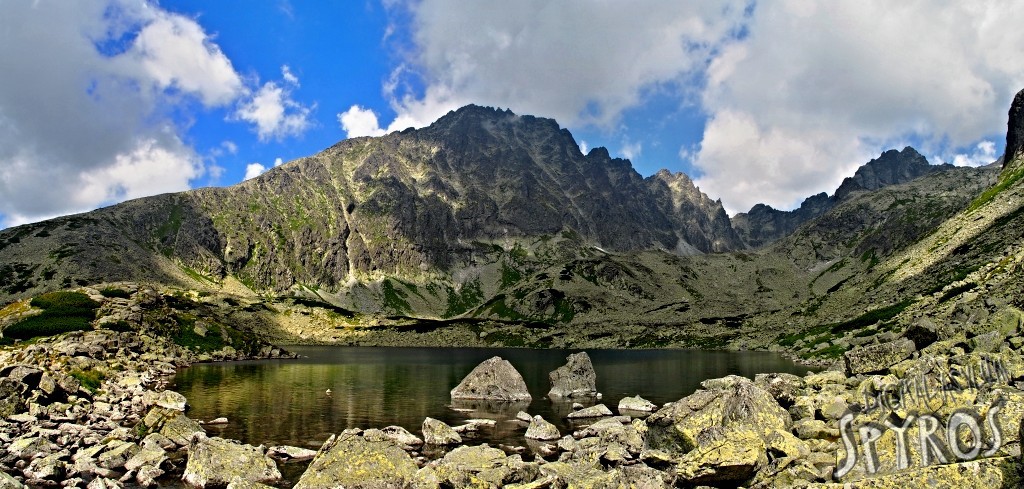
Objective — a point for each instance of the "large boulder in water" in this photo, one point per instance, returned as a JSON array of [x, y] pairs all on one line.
[[496, 379], [574, 379], [350, 461]]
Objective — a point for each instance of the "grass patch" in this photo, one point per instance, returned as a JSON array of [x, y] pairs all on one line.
[[509, 275], [62, 312], [90, 379], [871, 317], [459, 302], [831, 351], [186, 335], [394, 299], [1004, 183]]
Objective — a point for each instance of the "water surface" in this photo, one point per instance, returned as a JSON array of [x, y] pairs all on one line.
[[286, 401]]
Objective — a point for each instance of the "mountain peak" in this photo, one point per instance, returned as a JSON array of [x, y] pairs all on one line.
[[1015, 129]]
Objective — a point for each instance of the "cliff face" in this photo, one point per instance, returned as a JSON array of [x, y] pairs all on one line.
[[763, 224]]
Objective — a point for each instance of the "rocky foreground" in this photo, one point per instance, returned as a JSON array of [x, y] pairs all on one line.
[[89, 409]]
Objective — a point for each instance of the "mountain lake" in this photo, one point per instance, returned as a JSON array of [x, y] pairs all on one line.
[[285, 402]]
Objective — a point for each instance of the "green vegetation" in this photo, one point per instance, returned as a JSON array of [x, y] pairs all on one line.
[[1004, 183], [459, 302], [186, 336], [394, 299], [62, 312], [831, 351], [871, 317], [90, 378], [114, 292], [509, 275], [497, 307], [870, 258]]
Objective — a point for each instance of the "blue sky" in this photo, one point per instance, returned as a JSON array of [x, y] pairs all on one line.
[[107, 100]]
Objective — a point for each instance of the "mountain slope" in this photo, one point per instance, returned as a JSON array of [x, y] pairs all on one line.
[[762, 224]]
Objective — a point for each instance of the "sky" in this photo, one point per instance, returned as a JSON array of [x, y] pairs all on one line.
[[759, 102]]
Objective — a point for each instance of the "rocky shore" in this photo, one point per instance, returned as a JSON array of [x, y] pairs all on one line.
[[926, 409]]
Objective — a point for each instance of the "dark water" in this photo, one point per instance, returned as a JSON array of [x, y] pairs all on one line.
[[285, 401]]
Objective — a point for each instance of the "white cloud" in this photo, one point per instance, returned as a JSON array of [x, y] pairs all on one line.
[[253, 170], [583, 147], [632, 150], [274, 113], [86, 120], [817, 88], [983, 154], [288, 76], [358, 122], [278, 161], [174, 51], [577, 62]]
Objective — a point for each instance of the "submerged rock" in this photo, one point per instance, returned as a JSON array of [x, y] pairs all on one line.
[[596, 411], [217, 462], [574, 379], [350, 461], [496, 379]]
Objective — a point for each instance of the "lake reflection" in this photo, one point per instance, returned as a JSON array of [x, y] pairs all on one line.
[[286, 401]]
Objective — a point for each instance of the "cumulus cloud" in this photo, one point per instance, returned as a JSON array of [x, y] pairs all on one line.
[[91, 113], [357, 122], [817, 88], [574, 61], [273, 111], [797, 94], [253, 170], [983, 154]]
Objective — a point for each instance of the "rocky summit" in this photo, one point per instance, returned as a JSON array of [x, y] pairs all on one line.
[[489, 228]]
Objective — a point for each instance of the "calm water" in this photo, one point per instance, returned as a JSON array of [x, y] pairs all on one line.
[[285, 401]]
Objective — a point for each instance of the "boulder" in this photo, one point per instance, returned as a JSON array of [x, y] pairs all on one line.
[[29, 447], [171, 400], [729, 457], [595, 411], [116, 454], [436, 432], [876, 358], [170, 423], [574, 379], [11, 400], [8, 482], [349, 461], [495, 379], [151, 454], [215, 461], [52, 467], [542, 430], [471, 466], [637, 404], [731, 402]]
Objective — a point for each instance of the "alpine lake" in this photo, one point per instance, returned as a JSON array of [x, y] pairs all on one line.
[[286, 402]]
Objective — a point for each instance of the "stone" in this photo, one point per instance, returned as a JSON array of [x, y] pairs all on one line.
[[239, 483], [171, 400], [150, 454], [401, 436], [494, 378], [8, 482], [732, 458], [876, 358], [595, 411], [11, 400], [524, 417], [26, 448], [170, 423], [216, 462], [467, 466], [436, 432], [296, 454], [116, 454], [574, 379], [540, 429], [637, 404], [978, 474], [738, 403], [580, 474], [923, 333], [987, 342], [354, 463], [49, 467]]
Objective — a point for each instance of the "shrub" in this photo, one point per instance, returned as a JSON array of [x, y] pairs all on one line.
[[62, 312], [114, 292]]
